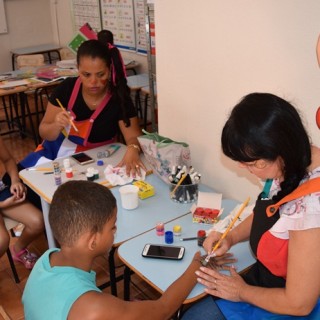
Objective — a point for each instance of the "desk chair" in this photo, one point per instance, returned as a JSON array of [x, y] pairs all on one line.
[[66, 54], [32, 61], [10, 224], [135, 84]]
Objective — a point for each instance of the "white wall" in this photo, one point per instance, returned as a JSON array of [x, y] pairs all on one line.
[[28, 25], [33, 22], [211, 53], [62, 17]]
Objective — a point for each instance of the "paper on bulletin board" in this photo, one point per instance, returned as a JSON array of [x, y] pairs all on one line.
[[3, 21], [84, 33], [87, 11], [118, 16]]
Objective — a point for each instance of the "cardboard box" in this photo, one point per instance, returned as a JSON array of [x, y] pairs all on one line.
[[146, 190], [208, 209]]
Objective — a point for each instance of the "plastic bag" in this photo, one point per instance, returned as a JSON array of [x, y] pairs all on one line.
[[163, 153]]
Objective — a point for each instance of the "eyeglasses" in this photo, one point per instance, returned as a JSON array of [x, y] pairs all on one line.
[[258, 164]]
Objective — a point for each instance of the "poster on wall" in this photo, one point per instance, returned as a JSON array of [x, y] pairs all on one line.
[[118, 17], [86, 11], [140, 26]]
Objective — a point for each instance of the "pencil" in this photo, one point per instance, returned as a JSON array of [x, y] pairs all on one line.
[[38, 169], [228, 229], [70, 120], [178, 184]]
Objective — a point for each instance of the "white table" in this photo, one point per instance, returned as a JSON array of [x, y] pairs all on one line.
[[130, 223], [136, 83], [150, 269]]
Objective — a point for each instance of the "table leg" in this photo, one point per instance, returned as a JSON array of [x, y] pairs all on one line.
[[112, 272], [45, 211], [12, 61], [126, 283]]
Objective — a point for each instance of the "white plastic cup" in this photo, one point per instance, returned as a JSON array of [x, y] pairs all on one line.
[[129, 197]]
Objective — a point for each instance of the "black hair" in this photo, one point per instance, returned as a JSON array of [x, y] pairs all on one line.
[[105, 36], [117, 84], [78, 207], [265, 126]]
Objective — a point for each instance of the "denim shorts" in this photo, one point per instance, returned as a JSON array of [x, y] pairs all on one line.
[[5, 194]]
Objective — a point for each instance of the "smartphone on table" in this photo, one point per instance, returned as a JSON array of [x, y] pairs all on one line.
[[82, 158], [163, 251]]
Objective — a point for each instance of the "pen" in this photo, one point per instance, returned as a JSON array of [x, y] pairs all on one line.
[[70, 120], [226, 232]]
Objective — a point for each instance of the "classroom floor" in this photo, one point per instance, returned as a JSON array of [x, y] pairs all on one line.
[[11, 293]]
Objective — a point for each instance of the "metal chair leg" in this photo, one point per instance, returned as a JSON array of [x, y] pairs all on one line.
[[13, 267]]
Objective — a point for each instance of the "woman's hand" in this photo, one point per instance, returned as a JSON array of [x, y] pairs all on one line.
[[220, 285], [62, 119], [132, 162], [212, 239]]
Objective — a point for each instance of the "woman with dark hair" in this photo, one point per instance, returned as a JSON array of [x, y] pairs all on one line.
[[105, 36], [98, 102], [266, 136]]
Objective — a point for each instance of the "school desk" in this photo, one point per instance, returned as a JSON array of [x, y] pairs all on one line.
[[130, 223], [42, 48], [16, 111], [161, 273], [136, 83]]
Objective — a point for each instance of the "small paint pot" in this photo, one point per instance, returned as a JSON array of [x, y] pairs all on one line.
[[69, 173], [201, 237], [160, 228], [177, 230], [168, 237]]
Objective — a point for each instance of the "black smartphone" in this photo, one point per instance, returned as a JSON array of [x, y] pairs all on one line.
[[163, 252], [82, 158]]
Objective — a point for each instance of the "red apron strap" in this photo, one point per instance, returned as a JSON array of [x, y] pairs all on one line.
[[74, 94], [101, 106], [311, 186]]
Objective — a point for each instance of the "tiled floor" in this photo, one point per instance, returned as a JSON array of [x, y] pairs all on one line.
[[10, 292]]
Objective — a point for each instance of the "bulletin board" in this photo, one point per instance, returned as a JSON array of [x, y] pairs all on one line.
[[86, 11], [124, 18], [3, 20]]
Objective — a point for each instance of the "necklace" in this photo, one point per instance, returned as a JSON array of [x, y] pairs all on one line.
[[93, 104]]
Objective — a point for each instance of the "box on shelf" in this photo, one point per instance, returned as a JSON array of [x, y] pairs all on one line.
[[146, 190]]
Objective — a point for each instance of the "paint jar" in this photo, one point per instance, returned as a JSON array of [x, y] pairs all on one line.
[[57, 173], [69, 172], [96, 174], [184, 193], [66, 164], [160, 228], [201, 237], [168, 237], [90, 176], [177, 230], [129, 197]]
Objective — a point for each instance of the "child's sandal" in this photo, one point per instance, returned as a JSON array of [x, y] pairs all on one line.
[[27, 258]]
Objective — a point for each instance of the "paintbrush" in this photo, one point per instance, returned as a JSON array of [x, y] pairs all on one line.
[[212, 254], [70, 120]]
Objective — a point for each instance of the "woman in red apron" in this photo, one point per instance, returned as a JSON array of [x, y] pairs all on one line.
[[265, 134], [99, 104]]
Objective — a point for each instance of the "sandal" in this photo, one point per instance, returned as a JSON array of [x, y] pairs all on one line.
[[27, 258]]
